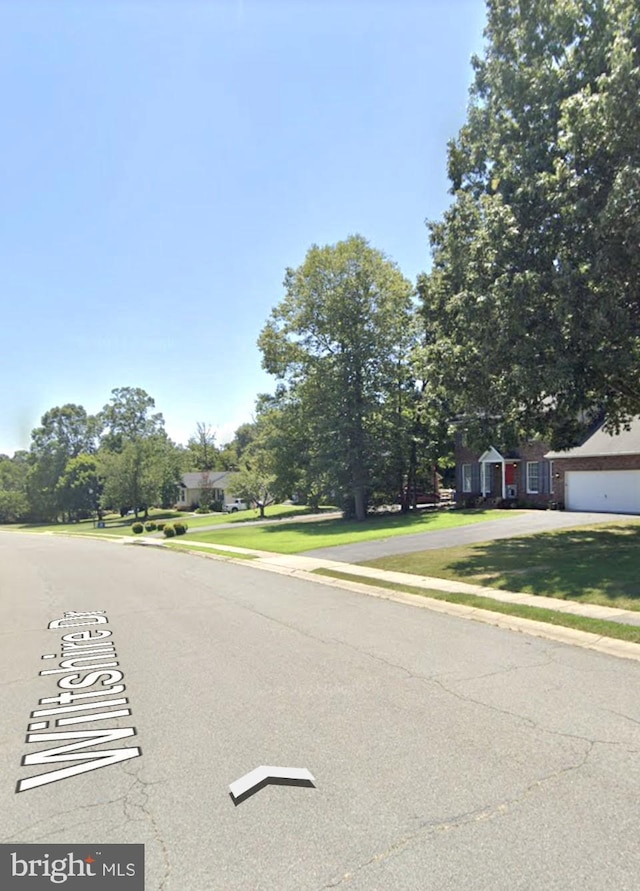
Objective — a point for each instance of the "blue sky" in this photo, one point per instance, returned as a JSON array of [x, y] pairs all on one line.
[[164, 161]]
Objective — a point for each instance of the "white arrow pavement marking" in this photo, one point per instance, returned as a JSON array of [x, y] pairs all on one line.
[[260, 774]]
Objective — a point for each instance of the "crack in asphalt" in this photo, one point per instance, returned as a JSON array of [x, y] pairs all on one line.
[[477, 815], [434, 679], [621, 715], [140, 786], [58, 814], [550, 652]]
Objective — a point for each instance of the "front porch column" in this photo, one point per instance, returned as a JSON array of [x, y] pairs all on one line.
[[504, 481]]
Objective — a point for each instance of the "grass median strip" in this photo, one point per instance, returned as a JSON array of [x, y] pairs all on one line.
[[602, 627], [217, 552]]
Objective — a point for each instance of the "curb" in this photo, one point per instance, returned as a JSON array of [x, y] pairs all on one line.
[[609, 646]]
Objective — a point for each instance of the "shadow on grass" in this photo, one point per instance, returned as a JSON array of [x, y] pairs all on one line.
[[568, 564], [421, 520]]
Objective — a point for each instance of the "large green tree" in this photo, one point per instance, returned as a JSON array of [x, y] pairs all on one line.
[[340, 339], [64, 433], [230, 455], [139, 465], [202, 449], [128, 417], [133, 477], [14, 504], [289, 429], [255, 480], [78, 488], [532, 307]]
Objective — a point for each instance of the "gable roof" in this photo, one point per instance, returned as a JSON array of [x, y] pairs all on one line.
[[215, 478], [491, 454], [602, 444]]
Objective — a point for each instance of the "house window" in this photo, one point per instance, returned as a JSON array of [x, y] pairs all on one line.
[[533, 477], [466, 477], [551, 477]]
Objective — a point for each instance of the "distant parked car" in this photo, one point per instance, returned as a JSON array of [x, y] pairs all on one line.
[[232, 507]]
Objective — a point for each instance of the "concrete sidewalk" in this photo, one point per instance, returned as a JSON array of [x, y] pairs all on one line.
[[297, 564]]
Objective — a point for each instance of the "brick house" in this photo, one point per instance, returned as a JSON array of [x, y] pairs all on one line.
[[602, 474], [520, 475]]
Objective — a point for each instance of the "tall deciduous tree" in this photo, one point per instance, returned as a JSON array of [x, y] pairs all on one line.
[[288, 428], [342, 333], [64, 433], [14, 504], [255, 480], [202, 448], [78, 489], [139, 465], [533, 303], [230, 454], [128, 417], [132, 478]]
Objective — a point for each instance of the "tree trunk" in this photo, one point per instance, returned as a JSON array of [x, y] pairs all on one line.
[[360, 503]]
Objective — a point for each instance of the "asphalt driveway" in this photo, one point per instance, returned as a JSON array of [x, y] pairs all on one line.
[[525, 523]]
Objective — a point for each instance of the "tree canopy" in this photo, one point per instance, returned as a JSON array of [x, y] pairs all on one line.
[[340, 340], [532, 307]]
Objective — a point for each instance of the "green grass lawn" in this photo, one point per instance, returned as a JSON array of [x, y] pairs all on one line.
[[293, 538], [275, 512], [593, 564], [117, 525]]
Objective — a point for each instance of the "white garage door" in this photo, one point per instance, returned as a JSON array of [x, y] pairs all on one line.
[[612, 491]]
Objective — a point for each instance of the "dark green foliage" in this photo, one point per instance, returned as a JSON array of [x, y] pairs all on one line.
[[532, 309], [150, 526], [137, 528], [340, 340], [203, 452], [169, 530]]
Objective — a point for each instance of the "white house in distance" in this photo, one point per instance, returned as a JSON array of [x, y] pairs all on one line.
[[193, 484]]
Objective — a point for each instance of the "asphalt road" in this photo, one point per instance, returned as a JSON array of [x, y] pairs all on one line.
[[447, 754], [509, 526]]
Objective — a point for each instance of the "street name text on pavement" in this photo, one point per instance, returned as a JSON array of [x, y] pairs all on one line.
[[88, 664]]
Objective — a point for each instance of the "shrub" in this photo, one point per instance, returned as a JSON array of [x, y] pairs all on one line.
[[217, 506], [202, 510], [180, 528], [150, 526], [160, 526], [169, 530], [137, 528]]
